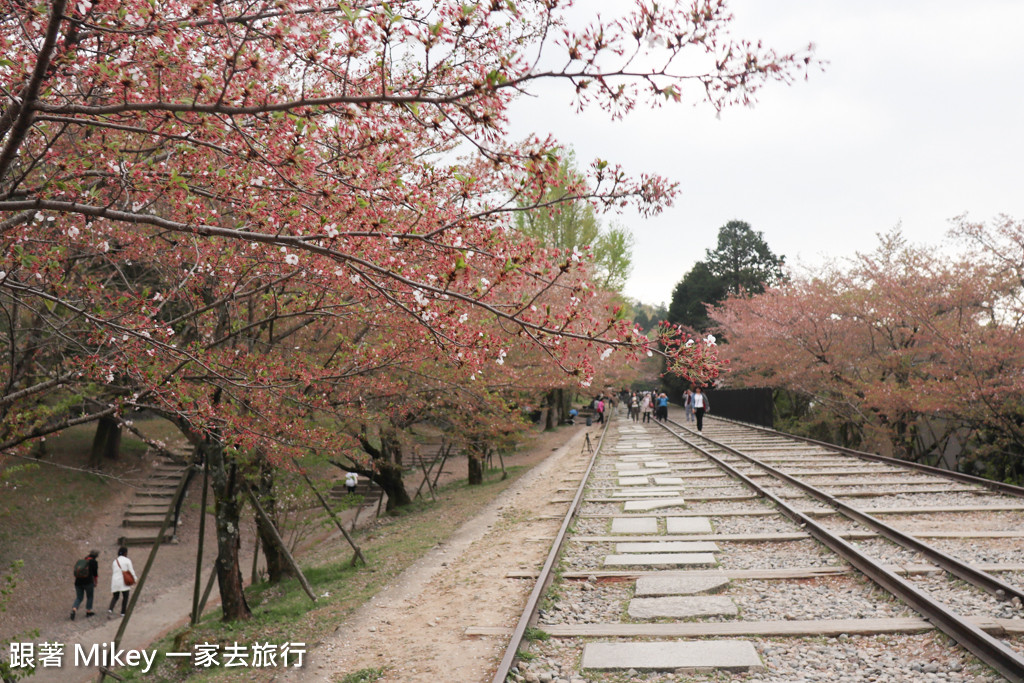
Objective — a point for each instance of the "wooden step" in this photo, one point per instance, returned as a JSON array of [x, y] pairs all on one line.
[[161, 485], [367, 490], [144, 540], [149, 521], [169, 474], [169, 471], [145, 511]]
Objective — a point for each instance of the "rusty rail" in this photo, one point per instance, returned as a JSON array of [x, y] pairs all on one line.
[[990, 650], [529, 613]]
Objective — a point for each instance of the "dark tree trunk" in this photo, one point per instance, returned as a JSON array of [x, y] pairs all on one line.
[[389, 477], [476, 468], [227, 491], [552, 419], [277, 565], [564, 403], [387, 472], [106, 443]]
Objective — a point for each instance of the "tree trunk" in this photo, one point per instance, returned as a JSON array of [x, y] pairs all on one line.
[[387, 471], [552, 413], [277, 564], [476, 468], [106, 443], [564, 403], [227, 494], [389, 477]]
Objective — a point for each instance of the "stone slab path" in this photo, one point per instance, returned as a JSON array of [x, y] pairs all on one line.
[[635, 525], [678, 583], [682, 607], [681, 657]]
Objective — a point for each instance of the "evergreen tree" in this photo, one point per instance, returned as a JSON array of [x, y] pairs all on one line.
[[742, 259], [742, 262]]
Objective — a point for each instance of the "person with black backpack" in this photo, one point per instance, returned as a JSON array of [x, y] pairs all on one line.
[[87, 574]]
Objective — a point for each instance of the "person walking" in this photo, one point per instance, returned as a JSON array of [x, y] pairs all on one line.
[[599, 407], [634, 407], [662, 412], [122, 578], [645, 406], [700, 406], [87, 574], [351, 479], [688, 405]]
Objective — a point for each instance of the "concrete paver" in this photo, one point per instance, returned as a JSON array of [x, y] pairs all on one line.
[[682, 607], [678, 583], [642, 492], [678, 656], [635, 525], [668, 547], [688, 525]]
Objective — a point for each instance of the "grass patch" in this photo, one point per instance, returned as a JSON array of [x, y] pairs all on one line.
[[283, 613], [363, 676], [63, 494], [532, 633]]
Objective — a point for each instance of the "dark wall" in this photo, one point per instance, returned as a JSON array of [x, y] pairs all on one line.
[[747, 405]]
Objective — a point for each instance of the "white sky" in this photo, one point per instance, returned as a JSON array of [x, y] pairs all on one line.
[[917, 118]]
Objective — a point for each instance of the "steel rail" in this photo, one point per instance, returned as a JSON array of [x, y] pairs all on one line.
[[990, 650], [529, 613], [999, 486], [962, 570]]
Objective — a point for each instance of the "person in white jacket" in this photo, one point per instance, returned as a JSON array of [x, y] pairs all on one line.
[[118, 586]]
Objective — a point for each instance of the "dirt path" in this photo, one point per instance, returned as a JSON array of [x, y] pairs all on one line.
[[414, 628], [164, 604]]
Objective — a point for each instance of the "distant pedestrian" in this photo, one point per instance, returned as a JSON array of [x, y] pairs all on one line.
[[351, 479], [700, 406], [86, 573], [662, 411], [122, 578], [599, 407], [645, 406], [688, 405], [634, 407]]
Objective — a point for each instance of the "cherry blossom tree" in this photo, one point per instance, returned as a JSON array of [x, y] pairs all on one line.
[[238, 215], [898, 341]]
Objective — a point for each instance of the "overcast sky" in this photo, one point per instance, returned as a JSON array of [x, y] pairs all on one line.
[[917, 118]]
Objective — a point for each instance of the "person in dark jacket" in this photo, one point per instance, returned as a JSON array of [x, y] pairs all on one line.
[[86, 585], [700, 406]]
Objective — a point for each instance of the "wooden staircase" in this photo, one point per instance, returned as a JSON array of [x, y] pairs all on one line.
[[145, 514], [371, 492]]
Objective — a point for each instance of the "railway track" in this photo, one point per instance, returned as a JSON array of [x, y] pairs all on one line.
[[745, 551]]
